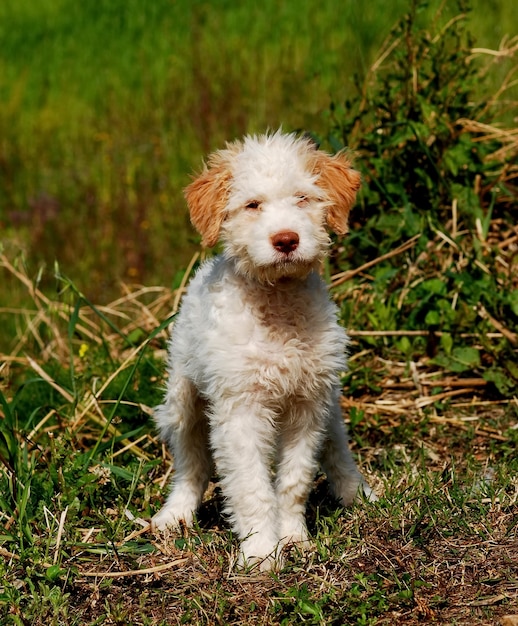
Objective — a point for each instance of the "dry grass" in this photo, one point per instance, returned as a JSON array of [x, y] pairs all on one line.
[[82, 470], [440, 546]]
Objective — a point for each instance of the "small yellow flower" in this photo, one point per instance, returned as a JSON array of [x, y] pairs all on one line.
[[83, 349]]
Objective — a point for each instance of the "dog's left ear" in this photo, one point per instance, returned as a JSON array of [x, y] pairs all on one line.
[[341, 183], [207, 197]]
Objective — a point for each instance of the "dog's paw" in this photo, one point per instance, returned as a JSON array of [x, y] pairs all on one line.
[[353, 490], [295, 534], [259, 555], [251, 564], [366, 492], [169, 519]]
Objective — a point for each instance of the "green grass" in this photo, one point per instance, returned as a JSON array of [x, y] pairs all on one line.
[[106, 108], [110, 106], [426, 283], [79, 453]]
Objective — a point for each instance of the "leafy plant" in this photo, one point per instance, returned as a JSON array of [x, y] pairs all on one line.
[[431, 175]]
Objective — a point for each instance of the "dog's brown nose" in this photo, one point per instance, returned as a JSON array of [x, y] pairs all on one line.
[[285, 241]]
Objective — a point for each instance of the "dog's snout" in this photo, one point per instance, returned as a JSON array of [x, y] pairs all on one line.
[[286, 241]]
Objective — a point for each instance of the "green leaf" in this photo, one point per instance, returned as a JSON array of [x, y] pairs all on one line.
[[447, 342], [513, 301], [432, 318], [434, 285], [470, 357], [461, 359], [504, 383], [512, 368], [136, 336], [53, 572]]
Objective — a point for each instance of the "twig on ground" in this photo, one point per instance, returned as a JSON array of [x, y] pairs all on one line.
[[510, 336], [342, 277]]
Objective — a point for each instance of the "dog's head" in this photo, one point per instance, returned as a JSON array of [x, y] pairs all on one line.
[[270, 199]]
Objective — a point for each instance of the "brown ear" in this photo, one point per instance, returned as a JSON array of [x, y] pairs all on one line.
[[341, 182], [207, 196]]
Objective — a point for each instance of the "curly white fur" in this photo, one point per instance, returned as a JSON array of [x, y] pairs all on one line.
[[256, 349]]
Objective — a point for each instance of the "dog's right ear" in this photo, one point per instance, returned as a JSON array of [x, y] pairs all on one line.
[[341, 183], [207, 197]]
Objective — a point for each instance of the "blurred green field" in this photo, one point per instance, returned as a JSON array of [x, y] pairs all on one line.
[[106, 106]]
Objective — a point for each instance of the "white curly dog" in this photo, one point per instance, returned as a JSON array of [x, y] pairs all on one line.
[[256, 350]]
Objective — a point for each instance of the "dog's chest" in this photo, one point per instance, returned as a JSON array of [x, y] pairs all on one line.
[[284, 340], [290, 318]]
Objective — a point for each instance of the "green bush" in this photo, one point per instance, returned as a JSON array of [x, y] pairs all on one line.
[[430, 173]]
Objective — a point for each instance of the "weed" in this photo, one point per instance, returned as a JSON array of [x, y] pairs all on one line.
[[432, 179]]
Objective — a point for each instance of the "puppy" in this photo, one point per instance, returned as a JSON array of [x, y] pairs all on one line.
[[256, 349]]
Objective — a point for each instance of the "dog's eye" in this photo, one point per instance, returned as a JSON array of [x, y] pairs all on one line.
[[302, 200], [252, 205]]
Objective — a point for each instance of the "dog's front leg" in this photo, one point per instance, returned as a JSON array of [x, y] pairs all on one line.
[[301, 439], [242, 438], [183, 424]]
